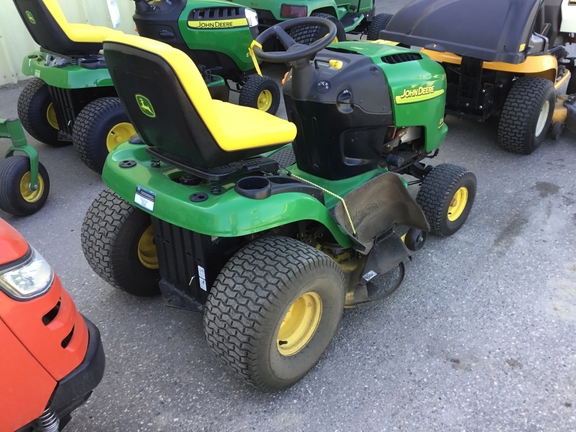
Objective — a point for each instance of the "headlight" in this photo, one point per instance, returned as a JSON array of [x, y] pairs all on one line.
[[293, 11], [29, 279], [252, 17]]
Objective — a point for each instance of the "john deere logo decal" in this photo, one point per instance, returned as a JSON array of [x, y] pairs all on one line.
[[418, 94], [145, 106], [30, 17]]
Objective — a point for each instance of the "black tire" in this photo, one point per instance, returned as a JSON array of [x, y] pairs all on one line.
[[446, 197], [111, 234], [260, 92], [308, 34], [379, 22], [34, 109], [100, 126], [15, 197], [526, 115], [250, 299]]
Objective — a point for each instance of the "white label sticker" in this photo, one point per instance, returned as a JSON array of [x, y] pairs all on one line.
[[201, 272], [145, 198], [369, 275], [203, 284], [114, 13], [37, 73]]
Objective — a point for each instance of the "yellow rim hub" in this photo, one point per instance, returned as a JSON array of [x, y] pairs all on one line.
[[28, 194], [119, 134], [265, 99], [299, 324], [147, 250], [458, 204], [51, 117]]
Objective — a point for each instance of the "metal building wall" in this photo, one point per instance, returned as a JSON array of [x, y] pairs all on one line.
[[15, 42]]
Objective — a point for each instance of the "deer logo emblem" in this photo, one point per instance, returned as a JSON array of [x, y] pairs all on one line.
[[145, 106]]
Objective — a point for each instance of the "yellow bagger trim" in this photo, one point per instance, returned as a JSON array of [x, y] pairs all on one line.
[[85, 33], [233, 127], [545, 66]]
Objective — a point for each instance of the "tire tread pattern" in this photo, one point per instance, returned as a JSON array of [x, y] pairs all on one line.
[[241, 294], [435, 191], [85, 128], [517, 119]]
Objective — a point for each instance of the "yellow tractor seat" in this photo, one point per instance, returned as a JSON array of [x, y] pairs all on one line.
[[171, 109], [50, 29]]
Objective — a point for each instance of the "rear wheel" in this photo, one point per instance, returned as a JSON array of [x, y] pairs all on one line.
[[446, 197], [37, 114], [526, 115], [307, 34], [99, 128], [16, 195], [379, 22], [260, 92], [118, 243], [273, 311]]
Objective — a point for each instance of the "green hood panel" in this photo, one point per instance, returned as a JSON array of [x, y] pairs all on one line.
[[67, 77]]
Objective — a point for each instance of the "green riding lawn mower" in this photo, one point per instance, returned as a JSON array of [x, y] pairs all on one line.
[[505, 58], [272, 227], [71, 97], [349, 17]]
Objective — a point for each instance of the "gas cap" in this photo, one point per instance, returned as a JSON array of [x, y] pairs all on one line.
[[344, 101]]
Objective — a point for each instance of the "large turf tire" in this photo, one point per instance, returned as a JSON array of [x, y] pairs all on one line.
[[260, 92], [446, 197], [250, 299], [526, 115], [311, 33], [379, 22], [99, 128], [111, 236], [15, 196], [36, 112]]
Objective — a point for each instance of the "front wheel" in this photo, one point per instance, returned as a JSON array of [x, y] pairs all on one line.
[[273, 311], [37, 114], [118, 243], [378, 23], [526, 115], [16, 195], [446, 197], [260, 92], [99, 128]]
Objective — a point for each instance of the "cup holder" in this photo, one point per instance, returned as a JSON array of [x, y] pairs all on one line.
[[254, 187]]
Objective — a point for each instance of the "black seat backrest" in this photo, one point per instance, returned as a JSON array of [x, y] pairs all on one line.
[[160, 109], [548, 20], [47, 32]]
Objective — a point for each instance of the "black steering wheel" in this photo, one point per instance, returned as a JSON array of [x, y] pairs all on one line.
[[294, 50]]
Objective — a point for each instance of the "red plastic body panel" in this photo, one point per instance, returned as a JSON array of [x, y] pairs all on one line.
[[59, 342], [25, 387], [12, 245]]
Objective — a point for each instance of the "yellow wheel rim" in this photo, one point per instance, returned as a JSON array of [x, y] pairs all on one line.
[[299, 324], [458, 204], [119, 134], [51, 117], [28, 194], [265, 99], [147, 250]]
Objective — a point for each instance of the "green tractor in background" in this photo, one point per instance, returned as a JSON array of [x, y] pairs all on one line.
[[348, 17], [71, 98], [272, 227]]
